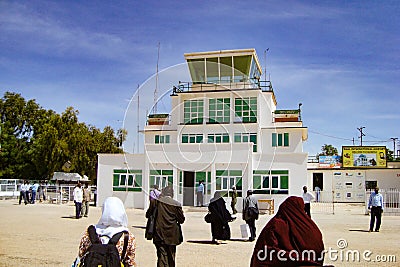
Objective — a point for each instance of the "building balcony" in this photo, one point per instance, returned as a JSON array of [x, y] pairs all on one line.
[[287, 115], [158, 119], [223, 85]]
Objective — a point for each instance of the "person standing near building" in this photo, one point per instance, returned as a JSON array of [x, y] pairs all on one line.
[[22, 192], [78, 198], [234, 200], [168, 233], [200, 194], [250, 213], [307, 198], [86, 200], [35, 188], [376, 205]]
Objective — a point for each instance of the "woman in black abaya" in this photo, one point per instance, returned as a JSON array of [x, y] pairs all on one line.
[[219, 217]]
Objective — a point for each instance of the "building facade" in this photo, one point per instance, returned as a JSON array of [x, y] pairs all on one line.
[[224, 128]]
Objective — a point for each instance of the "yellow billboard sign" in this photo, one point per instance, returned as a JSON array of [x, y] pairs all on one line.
[[364, 156]]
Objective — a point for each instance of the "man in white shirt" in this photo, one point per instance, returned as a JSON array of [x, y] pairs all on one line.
[[307, 198], [200, 194], [78, 198], [376, 205]]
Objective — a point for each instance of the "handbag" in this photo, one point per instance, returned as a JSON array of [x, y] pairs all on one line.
[[207, 218], [252, 213], [150, 226]]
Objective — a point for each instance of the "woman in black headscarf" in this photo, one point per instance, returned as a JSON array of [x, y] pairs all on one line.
[[219, 218]]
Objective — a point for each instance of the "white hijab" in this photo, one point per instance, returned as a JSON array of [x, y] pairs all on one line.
[[113, 219]]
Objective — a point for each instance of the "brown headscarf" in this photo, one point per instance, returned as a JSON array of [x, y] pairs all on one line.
[[289, 239]]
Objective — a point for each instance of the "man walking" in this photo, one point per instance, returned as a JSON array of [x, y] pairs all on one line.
[[376, 205], [234, 200], [78, 198], [86, 200], [168, 233], [200, 194], [307, 198], [250, 213]]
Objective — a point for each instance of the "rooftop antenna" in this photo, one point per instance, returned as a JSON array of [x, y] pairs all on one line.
[[138, 118], [156, 90], [265, 63]]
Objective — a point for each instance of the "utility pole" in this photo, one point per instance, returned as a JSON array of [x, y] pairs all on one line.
[[361, 131], [394, 139]]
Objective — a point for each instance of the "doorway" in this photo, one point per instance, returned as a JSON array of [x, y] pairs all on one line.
[[188, 188], [318, 185]]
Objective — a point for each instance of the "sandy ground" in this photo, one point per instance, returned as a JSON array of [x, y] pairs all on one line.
[[47, 235]]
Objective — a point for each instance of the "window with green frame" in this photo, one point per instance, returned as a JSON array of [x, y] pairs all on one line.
[[193, 111], [127, 180], [225, 179], [219, 110], [218, 138], [271, 182], [280, 139], [246, 109], [192, 138], [246, 138], [162, 178], [161, 139]]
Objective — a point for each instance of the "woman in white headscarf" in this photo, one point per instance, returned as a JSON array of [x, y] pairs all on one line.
[[113, 220]]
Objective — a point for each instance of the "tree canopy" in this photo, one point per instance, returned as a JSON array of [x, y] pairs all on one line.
[[35, 143]]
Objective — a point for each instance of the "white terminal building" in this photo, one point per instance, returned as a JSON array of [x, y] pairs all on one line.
[[224, 128]]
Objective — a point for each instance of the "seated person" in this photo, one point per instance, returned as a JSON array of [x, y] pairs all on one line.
[[290, 232]]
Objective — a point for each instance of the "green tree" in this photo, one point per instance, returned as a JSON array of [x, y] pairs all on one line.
[[34, 143]]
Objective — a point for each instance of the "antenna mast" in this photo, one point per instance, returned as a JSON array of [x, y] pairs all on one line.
[[156, 90], [138, 118]]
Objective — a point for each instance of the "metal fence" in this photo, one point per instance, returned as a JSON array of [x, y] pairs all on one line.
[[391, 199], [323, 202], [58, 194]]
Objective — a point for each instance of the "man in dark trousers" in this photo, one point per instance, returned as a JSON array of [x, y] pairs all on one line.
[[250, 213], [376, 205], [168, 233]]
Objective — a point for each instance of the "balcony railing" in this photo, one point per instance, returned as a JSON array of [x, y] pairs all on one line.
[[240, 84]]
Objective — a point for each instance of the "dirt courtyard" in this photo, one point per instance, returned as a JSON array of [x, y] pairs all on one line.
[[47, 235]]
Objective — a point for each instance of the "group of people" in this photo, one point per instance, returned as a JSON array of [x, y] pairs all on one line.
[[82, 198], [31, 192], [289, 233]]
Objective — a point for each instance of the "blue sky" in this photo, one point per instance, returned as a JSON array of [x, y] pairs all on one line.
[[340, 59]]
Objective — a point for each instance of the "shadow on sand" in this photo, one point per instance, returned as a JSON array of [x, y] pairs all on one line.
[[359, 230], [139, 227], [69, 217]]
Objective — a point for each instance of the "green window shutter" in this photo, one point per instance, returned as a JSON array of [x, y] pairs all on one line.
[[235, 173], [218, 183], [130, 180], [192, 139], [199, 138], [284, 182], [185, 138], [116, 180], [162, 139], [266, 182], [279, 139], [157, 139], [167, 139], [274, 181], [225, 138], [122, 179], [286, 139], [138, 180], [238, 138], [256, 182], [274, 139]]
